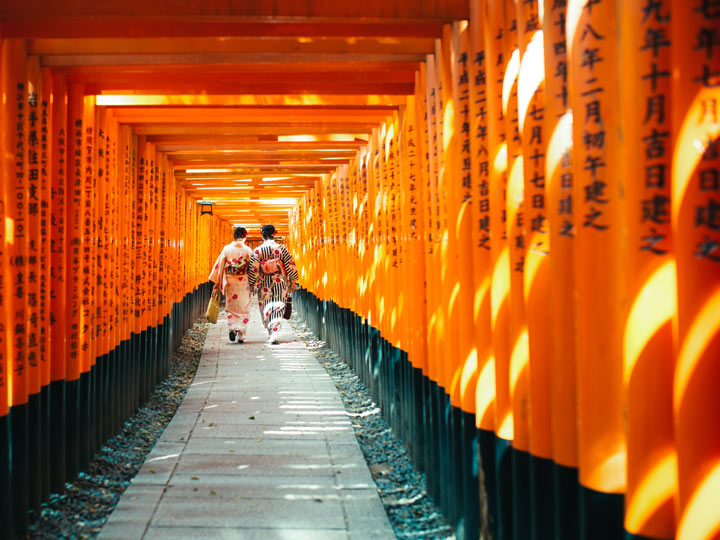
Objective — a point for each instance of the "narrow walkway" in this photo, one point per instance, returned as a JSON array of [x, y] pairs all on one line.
[[260, 448]]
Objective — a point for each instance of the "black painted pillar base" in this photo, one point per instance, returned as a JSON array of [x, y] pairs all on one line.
[[504, 488], [34, 453], [46, 409], [458, 468], [419, 419], [108, 395], [6, 508], [521, 494], [134, 389], [57, 436], [566, 509], [541, 504], [85, 425], [432, 440], [469, 525], [601, 515], [72, 440], [19, 469], [100, 392], [444, 456], [487, 488]]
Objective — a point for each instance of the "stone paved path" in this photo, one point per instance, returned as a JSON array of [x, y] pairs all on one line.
[[261, 448]]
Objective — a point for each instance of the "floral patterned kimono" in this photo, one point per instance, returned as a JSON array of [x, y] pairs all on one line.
[[272, 288], [232, 267]]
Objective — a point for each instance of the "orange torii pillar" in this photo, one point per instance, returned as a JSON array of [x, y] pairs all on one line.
[[456, 276], [87, 280], [424, 99], [482, 266], [496, 63], [425, 94], [598, 189], [448, 275], [58, 279], [73, 308], [45, 146], [465, 379], [515, 212], [141, 216], [15, 271], [5, 491], [7, 196], [536, 285], [696, 232], [436, 326], [414, 213], [34, 277], [558, 178], [650, 270]]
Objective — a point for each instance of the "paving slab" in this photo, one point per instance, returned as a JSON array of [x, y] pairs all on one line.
[[260, 448], [240, 533], [291, 432]]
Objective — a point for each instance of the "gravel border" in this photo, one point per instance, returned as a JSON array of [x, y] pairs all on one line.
[[83, 508], [401, 487]]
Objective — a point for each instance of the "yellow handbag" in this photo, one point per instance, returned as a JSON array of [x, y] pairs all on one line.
[[213, 308]]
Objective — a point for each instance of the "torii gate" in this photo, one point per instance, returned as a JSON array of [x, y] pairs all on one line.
[[514, 202]]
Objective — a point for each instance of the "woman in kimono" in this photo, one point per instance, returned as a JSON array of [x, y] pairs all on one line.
[[272, 272], [230, 275]]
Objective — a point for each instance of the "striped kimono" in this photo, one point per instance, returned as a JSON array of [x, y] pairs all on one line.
[[232, 267], [272, 289]]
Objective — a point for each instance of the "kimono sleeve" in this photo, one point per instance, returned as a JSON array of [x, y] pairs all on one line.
[[289, 263], [218, 267], [253, 269]]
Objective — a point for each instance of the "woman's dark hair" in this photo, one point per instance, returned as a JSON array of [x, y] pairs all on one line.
[[240, 232], [268, 231]]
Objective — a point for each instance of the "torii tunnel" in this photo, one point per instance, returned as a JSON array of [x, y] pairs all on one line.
[[505, 216]]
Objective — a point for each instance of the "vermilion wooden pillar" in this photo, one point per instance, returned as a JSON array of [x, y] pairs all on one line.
[[536, 284], [500, 283], [648, 363], [14, 127], [695, 225], [559, 203], [599, 211], [58, 327]]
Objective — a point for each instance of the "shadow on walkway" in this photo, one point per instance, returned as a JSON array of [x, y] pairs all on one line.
[[260, 448]]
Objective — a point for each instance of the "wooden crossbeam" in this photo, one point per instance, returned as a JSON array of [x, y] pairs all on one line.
[[33, 25], [255, 67], [248, 115], [319, 157], [295, 11], [243, 45], [220, 144], [289, 88], [232, 130], [138, 99], [268, 162], [269, 170], [190, 58], [183, 176], [341, 81]]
